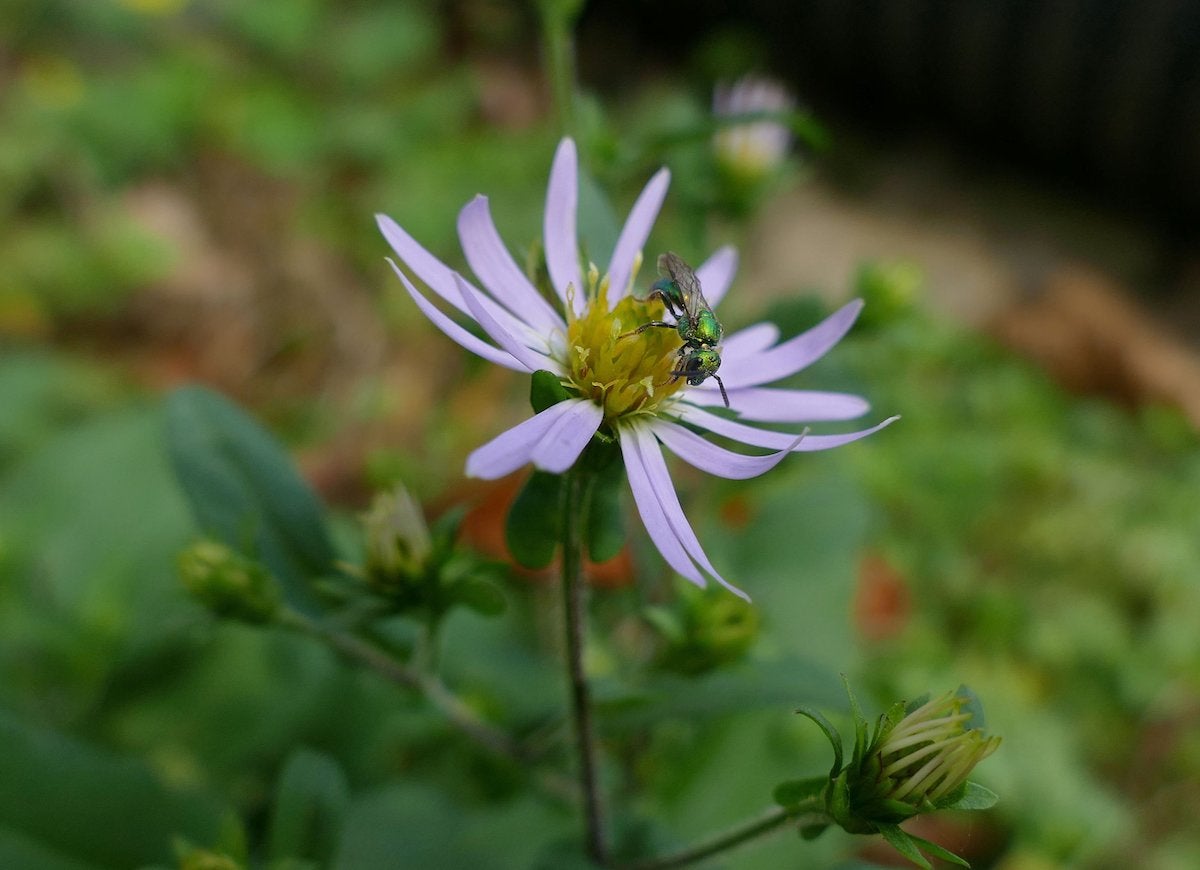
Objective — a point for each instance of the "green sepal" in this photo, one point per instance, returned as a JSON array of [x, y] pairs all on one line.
[[971, 796], [899, 810], [911, 847], [938, 851], [905, 844], [794, 792], [546, 390], [860, 723], [532, 530], [838, 806], [835, 739]]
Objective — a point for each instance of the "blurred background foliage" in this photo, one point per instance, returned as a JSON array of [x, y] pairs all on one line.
[[186, 191]]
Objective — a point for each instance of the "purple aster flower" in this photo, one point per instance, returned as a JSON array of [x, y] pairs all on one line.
[[623, 384], [757, 148]]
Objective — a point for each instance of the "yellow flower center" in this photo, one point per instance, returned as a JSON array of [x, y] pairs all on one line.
[[623, 372]]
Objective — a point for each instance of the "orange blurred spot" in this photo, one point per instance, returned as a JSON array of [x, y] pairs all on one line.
[[736, 512], [882, 602], [483, 530]]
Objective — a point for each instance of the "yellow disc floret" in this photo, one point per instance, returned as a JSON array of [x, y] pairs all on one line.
[[623, 373]]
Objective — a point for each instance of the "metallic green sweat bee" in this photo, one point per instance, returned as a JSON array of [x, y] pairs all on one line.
[[695, 321]]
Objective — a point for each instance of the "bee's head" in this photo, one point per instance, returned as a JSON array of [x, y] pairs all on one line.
[[701, 364]]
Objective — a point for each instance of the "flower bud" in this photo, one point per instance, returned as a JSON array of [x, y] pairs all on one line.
[[891, 290], [398, 542], [703, 631], [754, 150], [228, 583], [917, 761]]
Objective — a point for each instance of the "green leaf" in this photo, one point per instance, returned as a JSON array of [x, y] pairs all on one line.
[[482, 596], [64, 797], [534, 521], [905, 844], [17, 850], [605, 532], [310, 804], [835, 739], [245, 491], [972, 797], [797, 791], [408, 824], [546, 390]]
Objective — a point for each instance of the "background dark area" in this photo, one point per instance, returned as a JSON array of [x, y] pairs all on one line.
[[1096, 98]]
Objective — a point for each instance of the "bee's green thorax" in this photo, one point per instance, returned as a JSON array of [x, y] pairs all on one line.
[[707, 329]]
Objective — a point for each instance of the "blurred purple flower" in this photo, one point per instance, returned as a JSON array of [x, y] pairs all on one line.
[[754, 148], [621, 383]]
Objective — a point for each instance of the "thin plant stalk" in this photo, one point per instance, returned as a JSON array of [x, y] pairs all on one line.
[[558, 22], [770, 821], [575, 618]]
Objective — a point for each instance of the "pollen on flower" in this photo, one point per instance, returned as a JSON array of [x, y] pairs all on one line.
[[623, 372]]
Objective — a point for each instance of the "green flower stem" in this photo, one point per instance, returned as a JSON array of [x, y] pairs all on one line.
[[744, 833], [575, 488], [435, 691], [558, 21]]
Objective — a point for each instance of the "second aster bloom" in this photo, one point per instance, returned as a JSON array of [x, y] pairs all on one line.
[[622, 385], [753, 149]]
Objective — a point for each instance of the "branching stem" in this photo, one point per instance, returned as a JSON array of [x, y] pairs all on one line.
[[744, 833]]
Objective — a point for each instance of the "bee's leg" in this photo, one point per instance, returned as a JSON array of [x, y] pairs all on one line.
[[646, 326], [680, 373], [666, 303]]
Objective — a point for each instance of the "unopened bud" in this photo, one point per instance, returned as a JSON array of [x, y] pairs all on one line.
[[918, 760], [398, 541], [228, 583]]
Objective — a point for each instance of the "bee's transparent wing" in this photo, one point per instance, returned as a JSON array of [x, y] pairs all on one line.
[[685, 279]]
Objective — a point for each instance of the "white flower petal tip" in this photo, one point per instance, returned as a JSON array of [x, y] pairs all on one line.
[[703, 454], [755, 437], [452, 330], [559, 222], [793, 355], [658, 505], [634, 235]]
